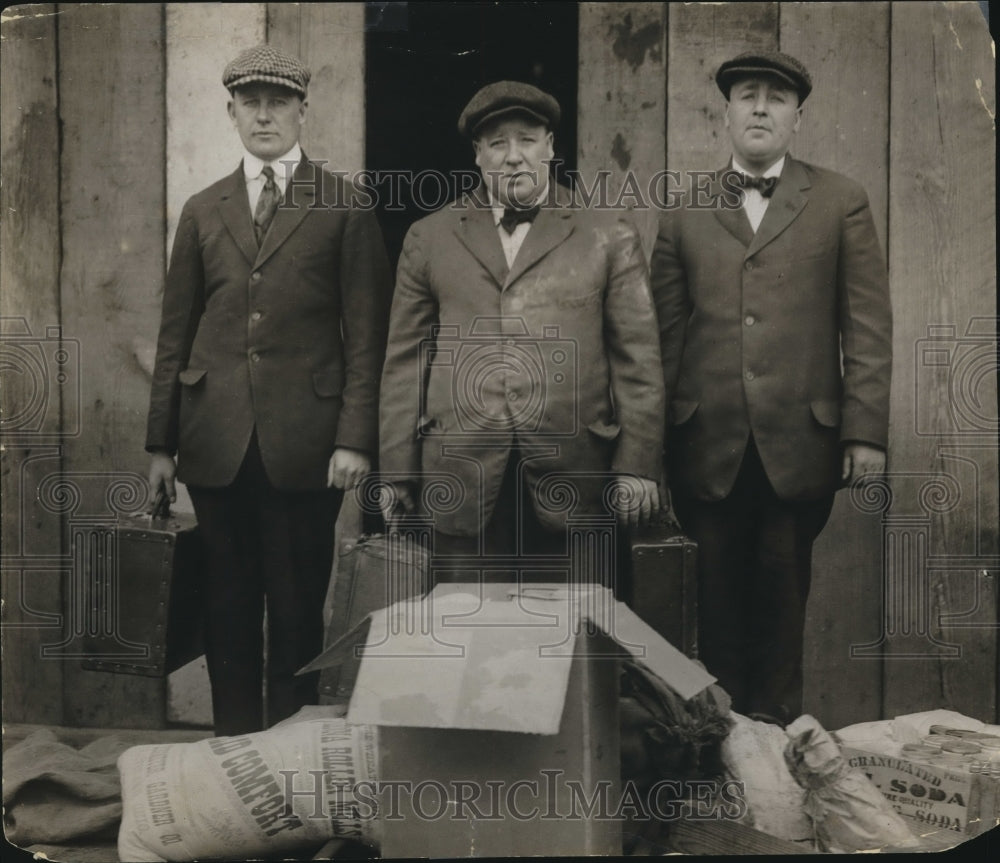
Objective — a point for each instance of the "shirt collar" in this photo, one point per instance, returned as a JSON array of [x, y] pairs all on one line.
[[773, 171], [498, 208], [252, 165]]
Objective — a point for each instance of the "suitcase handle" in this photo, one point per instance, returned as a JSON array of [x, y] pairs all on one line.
[[161, 506]]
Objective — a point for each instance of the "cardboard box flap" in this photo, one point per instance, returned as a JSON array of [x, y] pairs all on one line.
[[456, 660], [630, 632]]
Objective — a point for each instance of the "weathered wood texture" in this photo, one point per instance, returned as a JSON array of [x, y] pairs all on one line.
[[942, 257], [111, 96], [31, 396], [622, 103], [330, 39], [845, 126]]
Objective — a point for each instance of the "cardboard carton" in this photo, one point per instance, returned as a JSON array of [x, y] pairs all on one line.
[[936, 798], [498, 714]]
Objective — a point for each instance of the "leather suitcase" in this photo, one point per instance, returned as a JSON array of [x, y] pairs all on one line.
[[143, 593], [364, 582], [661, 585]]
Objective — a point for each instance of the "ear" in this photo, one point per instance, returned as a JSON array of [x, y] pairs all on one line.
[[725, 116], [231, 109], [302, 111], [549, 141], [798, 119], [477, 147]]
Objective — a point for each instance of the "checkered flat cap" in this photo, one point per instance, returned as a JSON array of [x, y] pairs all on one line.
[[268, 65]]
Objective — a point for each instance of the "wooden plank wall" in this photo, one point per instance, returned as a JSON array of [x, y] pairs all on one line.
[[942, 257], [903, 102], [29, 290], [111, 78], [931, 189]]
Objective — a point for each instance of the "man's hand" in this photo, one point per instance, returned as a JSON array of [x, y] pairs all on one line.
[[347, 468], [400, 495], [862, 462], [162, 469], [637, 500]]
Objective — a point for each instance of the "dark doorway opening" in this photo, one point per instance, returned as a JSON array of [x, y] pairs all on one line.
[[424, 61]]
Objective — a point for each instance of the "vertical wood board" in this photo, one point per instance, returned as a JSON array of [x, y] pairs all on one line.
[[622, 103], [330, 39], [942, 256], [30, 394], [111, 97]]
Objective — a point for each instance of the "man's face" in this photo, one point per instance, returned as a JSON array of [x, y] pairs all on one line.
[[762, 116], [513, 153], [269, 119]]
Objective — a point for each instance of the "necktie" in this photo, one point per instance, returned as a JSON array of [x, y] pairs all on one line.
[[764, 185], [267, 204], [513, 217]]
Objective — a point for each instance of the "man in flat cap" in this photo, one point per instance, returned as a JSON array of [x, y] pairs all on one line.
[[266, 388], [522, 373], [775, 329]]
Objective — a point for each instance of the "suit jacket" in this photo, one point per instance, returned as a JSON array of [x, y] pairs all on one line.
[[560, 353], [753, 329], [288, 338]]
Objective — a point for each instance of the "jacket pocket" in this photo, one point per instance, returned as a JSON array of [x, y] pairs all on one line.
[[681, 411], [603, 430], [826, 412], [327, 383], [190, 377]]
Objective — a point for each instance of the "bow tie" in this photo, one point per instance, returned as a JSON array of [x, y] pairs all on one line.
[[513, 217], [764, 185]]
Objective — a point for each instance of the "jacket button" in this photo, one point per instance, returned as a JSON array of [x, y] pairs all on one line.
[[256, 316], [749, 265], [749, 320], [750, 376], [255, 357], [255, 276], [510, 343]]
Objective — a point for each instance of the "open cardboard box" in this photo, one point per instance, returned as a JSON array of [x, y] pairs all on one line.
[[497, 708]]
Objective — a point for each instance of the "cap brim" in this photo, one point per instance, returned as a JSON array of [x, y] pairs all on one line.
[[728, 78], [267, 79], [500, 112]]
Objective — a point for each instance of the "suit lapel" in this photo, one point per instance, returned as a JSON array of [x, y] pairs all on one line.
[[786, 204], [734, 221], [479, 235], [551, 227], [234, 207], [290, 212]]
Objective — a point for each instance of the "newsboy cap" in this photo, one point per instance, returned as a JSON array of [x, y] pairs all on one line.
[[505, 97], [268, 65], [782, 66]]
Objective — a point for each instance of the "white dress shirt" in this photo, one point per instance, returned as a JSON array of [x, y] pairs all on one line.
[[283, 167], [754, 203], [512, 242]]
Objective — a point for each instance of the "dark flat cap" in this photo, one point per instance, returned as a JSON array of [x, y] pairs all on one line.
[[782, 66], [505, 97], [268, 65]]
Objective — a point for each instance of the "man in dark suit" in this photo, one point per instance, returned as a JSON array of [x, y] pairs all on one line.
[[523, 362], [266, 388], [775, 329]]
